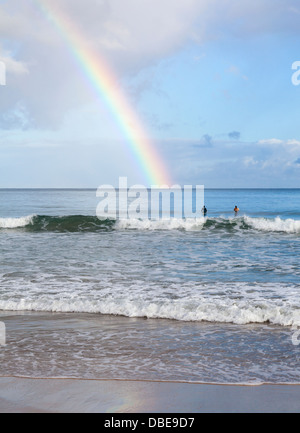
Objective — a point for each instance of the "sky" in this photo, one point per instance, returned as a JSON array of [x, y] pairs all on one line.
[[210, 81]]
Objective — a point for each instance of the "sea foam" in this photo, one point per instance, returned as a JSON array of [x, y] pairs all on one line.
[[239, 303], [78, 223], [274, 225], [12, 223], [163, 224]]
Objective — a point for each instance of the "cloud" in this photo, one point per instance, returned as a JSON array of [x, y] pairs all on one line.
[[293, 142], [131, 35], [235, 163], [246, 18], [158, 124], [235, 135], [41, 72], [206, 141], [270, 142], [288, 144], [13, 66], [16, 118]]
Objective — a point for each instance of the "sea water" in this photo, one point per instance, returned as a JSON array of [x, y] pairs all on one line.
[[210, 300]]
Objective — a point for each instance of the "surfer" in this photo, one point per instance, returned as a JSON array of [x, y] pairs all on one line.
[[204, 210], [236, 209]]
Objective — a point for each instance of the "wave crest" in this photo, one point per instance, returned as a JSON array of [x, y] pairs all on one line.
[[12, 223], [83, 223], [235, 311], [274, 225]]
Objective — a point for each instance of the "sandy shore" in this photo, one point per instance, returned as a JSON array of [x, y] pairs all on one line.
[[20, 395]]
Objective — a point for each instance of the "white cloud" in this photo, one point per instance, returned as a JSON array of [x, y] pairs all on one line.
[[290, 144], [270, 142], [293, 142], [14, 66], [249, 161], [235, 163], [131, 34]]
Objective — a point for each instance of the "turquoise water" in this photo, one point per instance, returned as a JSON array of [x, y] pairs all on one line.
[[211, 278]]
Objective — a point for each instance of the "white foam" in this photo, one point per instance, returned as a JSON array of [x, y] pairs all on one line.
[[192, 224], [12, 223], [181, 311], [274, 225], [261, 224], [238, 303], [163, 224]]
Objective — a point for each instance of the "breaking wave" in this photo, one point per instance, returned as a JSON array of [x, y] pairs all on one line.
[[261, 303], [83, 223]]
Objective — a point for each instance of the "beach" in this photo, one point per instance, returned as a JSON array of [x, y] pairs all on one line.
[[21, 395], [96, 346], [149, 316], [149, 207]]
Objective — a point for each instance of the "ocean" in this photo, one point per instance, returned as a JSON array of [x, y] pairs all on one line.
[[212, 300]]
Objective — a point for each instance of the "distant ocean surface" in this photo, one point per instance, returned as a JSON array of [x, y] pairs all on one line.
[[221, 294]]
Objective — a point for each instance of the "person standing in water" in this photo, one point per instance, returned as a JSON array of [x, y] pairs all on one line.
[[204, 210], [236, 209]]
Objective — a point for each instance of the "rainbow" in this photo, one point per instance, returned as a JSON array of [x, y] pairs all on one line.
[[105, 85]]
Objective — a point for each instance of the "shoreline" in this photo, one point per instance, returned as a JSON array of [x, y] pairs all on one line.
[[98, 347], [164, 381], [70, 395]]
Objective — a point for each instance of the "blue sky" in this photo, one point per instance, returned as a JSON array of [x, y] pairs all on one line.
[[210, 80]]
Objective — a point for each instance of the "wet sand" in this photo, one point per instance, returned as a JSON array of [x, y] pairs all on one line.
[[94, 346], [48, 344], [21, 395]]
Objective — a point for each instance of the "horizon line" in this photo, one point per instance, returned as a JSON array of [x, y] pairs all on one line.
[[95, 188]]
